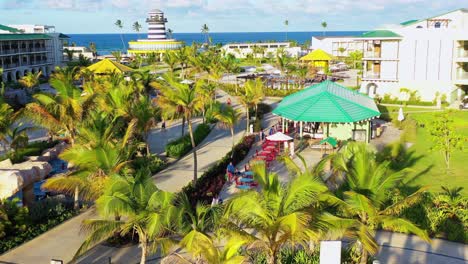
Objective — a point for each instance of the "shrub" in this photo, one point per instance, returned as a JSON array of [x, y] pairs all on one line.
[[212, 181], [153, 163], [33, 149], [183, 145]]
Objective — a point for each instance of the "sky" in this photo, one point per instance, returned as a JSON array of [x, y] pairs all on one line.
[[99, 16]]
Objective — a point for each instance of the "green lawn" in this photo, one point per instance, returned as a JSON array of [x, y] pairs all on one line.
[[430, 170]]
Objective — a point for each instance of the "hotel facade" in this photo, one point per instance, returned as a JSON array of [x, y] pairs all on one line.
[[29, 48], [429, 56]]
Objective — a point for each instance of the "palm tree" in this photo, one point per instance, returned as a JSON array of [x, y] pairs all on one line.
[[207, 93], [137, 27], [30, 80], [286, 23], [169, 33], [170, 59], [252, 96], [144, 209], [205, 30], [93, 49], [69, 53], [278, 214], [119, 24], [182, 56], [145, 114], [6, 121], [228, 117], [324, 25], [180, 98], [117, 55], [363, 204]]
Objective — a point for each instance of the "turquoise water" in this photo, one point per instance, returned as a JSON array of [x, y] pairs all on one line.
[[106, 43]]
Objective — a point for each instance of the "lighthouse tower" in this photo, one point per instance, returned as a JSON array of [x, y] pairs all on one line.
[[156, 25], [157, 42]]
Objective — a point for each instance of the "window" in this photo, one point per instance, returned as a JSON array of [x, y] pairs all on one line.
[[437, 25]]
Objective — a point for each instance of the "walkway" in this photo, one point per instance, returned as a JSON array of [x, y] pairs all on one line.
[[63, 241]]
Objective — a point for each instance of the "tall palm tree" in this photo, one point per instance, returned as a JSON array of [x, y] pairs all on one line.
[[180, 98], [363, 204], [253, 94], [30, 80], [170, 59], [137, 27], [324, 26], [207, 93], [69, 54], [205, 31], [119, 25], [145, 113], [117, 55], [6, 122], [286, 23], [278, 214], [182, 56], [144, 208], [228, 117], [93, 49]]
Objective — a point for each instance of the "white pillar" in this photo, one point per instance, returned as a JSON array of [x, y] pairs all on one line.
[[282, 124], [300, 129]]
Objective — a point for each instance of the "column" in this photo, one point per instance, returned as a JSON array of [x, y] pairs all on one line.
[[300, 129], [282, 124]]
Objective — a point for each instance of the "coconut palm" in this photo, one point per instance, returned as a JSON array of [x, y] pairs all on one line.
[[117, 55], [277, 215], [176, 99], [93, 49], [119, 25], [145, 114], [30, 80], [144, 209], [286, 23], [137, 27], [170, 59], [205, 30], [207, 93], [324, 25], [100, 153], [69, 54], [228, 117], [364, 203], [6, 122], [182, 56], [252, 96]]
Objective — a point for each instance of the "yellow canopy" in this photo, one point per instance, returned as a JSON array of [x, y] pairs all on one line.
[[317, 55], [107, 66]]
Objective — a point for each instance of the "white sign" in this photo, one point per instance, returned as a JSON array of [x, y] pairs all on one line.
[[330, 252]]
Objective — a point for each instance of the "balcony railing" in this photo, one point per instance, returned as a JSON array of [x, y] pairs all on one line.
[[156, 20], [372, 54], [15, 51], [371, 75], [462, 53], [462, 76], [25, 64]]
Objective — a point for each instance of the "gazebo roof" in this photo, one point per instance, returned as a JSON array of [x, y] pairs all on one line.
[[106, 66], [317, 55], [327, 102]]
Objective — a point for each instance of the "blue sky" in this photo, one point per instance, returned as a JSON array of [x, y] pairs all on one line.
[[98, 16]]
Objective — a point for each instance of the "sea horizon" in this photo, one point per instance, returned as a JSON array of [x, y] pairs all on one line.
[[108, 42]]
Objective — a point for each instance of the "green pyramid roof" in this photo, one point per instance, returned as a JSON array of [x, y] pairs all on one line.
[[380, 34], [327, 102]]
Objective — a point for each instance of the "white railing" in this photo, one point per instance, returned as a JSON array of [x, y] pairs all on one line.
[[371, 75], [372, 54]]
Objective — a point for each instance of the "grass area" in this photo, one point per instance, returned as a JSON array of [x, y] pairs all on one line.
[[429, 169]]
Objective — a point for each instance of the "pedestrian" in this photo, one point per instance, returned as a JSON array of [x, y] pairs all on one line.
[[262, 135], [272, 130], [163, 125], [230, 170], [229, 101]]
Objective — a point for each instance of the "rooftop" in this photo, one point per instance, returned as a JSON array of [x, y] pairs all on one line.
[[380, 34], [10, 29], [23, 36]]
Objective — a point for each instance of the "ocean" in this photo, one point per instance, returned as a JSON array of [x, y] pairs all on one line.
[[106, 43]]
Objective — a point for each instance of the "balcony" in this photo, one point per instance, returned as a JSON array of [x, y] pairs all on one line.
[[156, 20], [372, 54], [21, 51], [461, 78], [376, 76]]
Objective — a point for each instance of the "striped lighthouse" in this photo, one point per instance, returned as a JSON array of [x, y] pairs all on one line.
[[156, 25]]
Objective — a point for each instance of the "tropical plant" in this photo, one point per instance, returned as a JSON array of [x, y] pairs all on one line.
[[119, 25], [324, 26], [69, 53], [252, 96], [170, 59], [228, 117], [30, 80], [444, 136], [93, 49], [205, 30], [179, 99], [117, 55], [286, 23], [363, 201], [6, 122], [143, 209], [182, 56], [137, 27], [278, 214]]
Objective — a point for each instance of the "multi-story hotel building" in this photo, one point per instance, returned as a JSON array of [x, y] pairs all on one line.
[[157, 41], [426, 55], [29, 48], [241, 50]]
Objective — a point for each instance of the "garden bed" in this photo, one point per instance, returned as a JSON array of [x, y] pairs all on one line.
[[181, 146]]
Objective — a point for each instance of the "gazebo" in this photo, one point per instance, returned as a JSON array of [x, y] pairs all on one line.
[[107, 66], [327, 110], [318, 58]]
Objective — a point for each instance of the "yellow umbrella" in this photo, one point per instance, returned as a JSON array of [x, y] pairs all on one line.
[[107, 66], [317, 55]]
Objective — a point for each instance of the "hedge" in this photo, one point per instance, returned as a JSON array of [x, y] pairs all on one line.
[[212, 181], [183, 145]]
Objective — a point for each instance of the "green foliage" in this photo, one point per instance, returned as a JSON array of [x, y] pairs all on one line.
[[20, 224], [182, 145], [33, 149], [152, 162]]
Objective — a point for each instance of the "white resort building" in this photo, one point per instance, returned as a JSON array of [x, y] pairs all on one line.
[[428, 55], [157, 41], [241, 50], [29, 48]]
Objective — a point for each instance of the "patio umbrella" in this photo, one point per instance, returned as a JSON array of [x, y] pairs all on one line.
[[401, 116], [279, 137]]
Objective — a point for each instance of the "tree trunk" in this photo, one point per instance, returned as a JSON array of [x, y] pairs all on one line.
[[364, 256], [143, 252], [183, 126], [248, 118], [194, 151], [76, 198]]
